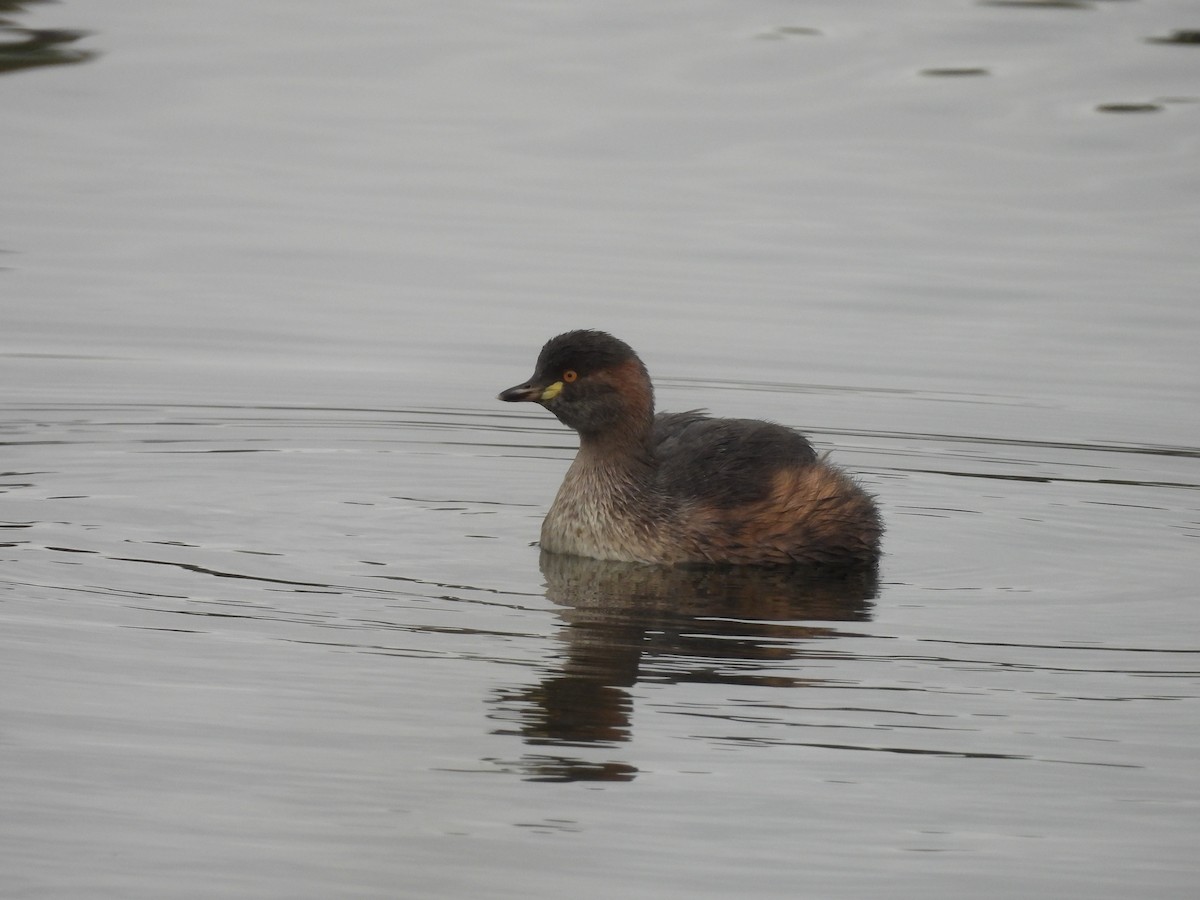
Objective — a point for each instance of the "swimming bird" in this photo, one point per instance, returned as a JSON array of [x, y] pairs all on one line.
[[686, 488]]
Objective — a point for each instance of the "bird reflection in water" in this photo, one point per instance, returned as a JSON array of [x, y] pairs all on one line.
[[627, 622]]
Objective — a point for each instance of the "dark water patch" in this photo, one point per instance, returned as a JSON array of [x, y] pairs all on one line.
[[455, 587], [1091, 447], [1090, 648], [552, 826], [910, 751], [1038, 4], [471, 502], [959, 72], [218, 450], [97, 591], [783, 32], [537, 767], [1188, 37], [1009, 664], [1126, 505], [296, 587], [1052, 479], [774, 721], [868, 710], [1129, 107], [218, 573], [29, 48], [935, 510], [208, 614]]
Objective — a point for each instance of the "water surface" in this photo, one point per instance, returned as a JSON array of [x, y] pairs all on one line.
[[272, 618]]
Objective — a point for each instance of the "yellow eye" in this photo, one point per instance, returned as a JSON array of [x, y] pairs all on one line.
[[570, 375]]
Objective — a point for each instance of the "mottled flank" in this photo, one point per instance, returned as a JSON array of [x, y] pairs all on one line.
[[681, 488], [813, 513]]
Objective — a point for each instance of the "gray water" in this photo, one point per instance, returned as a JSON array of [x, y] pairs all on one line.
[[273, 622]]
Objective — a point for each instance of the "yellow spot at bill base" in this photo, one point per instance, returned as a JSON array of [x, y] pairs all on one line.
[[552, 391]]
